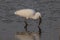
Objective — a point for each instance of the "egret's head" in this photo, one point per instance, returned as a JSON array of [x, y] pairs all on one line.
[[37, 15]]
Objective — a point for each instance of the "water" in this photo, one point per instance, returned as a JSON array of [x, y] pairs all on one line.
[[10, 23]]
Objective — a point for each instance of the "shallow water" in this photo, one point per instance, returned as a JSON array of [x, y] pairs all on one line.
[[10, 23]]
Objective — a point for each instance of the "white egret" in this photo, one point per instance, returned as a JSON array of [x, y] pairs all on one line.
[[29, 13]]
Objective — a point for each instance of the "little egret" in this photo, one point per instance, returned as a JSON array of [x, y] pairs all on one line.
[[29, 13]]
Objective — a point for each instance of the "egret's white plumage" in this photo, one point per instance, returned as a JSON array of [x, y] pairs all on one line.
[[28, 13]]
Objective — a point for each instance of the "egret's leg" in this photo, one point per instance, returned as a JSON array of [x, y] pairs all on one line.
[[39, 25], [26, 24]]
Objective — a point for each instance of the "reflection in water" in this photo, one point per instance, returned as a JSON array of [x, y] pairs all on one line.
[[27, 36]]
